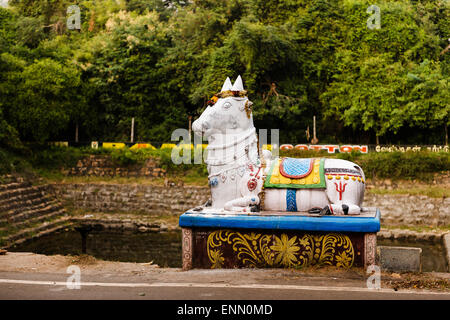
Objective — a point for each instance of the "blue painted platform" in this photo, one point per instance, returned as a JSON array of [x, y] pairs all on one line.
[[364, 224]]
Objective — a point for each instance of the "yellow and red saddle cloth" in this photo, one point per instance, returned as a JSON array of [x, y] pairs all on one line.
[[296, 173]]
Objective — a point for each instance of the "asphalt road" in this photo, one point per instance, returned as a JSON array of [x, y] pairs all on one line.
[[24, 285]]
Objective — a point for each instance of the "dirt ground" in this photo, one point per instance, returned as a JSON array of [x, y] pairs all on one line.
[[31, 262]]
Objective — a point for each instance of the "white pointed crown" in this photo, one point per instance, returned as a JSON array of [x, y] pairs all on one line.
[[229, 90], [237, 89], [238, 85], [226, 85]]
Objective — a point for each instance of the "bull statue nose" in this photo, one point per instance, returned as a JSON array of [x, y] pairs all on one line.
[[205, 125], [197, 127]]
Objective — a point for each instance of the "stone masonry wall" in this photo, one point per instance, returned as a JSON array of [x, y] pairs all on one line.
[[410, 209], [395, 209], [102, 165], [132, 197]]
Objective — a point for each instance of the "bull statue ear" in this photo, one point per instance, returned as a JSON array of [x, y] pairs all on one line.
[[226, 85], [238, 85]]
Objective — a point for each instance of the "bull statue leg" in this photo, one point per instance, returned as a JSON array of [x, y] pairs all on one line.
[[345, 187], [244, 204], [341, 209]]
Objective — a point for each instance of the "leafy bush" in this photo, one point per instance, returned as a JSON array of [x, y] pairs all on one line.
[[399, 165], [56, 157], [11, 163], [126, 157], [393, 165], [295, 153]]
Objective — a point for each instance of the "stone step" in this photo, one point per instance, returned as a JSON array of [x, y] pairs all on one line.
[[52, 229], [36, 219], [29, 212], [7, 178], [25, 233], [5, 196], [13, 186], [21, 201], [14, 214], [19, 206]]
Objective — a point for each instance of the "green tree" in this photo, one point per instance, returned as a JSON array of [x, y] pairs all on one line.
[[126, 78], [369, 90], [47, 97], [10, 68], [428, 101], [160, 61], [370, 98]]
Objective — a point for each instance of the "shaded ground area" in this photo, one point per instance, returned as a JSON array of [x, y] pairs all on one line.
[[163, 248]]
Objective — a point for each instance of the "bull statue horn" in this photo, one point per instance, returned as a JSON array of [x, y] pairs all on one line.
[[226, 85], [238, 85]]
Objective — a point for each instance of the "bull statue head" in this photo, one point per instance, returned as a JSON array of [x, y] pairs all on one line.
[[228, 111]]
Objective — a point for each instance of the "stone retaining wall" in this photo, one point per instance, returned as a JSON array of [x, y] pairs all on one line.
[[410, 210], [26, 209], [148, 199], [102, 165], [395, 209]]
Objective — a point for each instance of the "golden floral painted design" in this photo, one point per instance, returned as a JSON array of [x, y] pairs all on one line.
[[266, 250], [285, 250], [216, 259]]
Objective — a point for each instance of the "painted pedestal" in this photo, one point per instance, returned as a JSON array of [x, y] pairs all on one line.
[[270, 240]]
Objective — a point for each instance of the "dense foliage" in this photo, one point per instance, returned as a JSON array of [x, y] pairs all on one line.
[[394, 165], [159, 61]]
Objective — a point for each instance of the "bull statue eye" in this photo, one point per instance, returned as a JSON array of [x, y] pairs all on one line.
[[226, 105]]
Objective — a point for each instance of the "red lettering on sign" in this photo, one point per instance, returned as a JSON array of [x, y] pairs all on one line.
[[345, 149], [301, 147], [286, 147], [331, 148], [315, 147], [362, 149]]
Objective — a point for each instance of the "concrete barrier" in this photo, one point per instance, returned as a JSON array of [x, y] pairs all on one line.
[[400, 259]]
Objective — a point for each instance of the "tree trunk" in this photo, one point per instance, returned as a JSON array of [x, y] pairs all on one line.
[[446, 134], [92, 22], [132, 130], [76, 133]]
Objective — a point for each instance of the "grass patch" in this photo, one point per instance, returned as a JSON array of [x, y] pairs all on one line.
[[49, 162], [429, 191], [82, 260], [169, 219], [190, 179], [418, 228], [14, 163], [417, 281]]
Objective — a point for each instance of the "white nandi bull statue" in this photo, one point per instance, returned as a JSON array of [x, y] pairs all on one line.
[[237, 174]]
